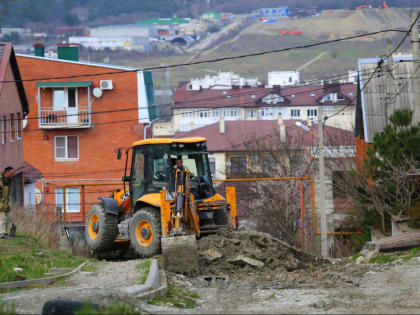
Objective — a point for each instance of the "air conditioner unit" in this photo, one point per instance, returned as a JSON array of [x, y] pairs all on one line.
[[106, 85]]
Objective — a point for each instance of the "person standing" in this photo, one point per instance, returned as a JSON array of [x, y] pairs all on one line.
[[5, 179]]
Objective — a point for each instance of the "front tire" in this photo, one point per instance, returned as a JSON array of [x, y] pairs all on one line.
[[101, 228], [145, 232]]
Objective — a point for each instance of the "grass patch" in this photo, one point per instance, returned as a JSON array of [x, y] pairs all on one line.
[[355, 256], [144, 267], [404, 255], [7, 308], [117, 308], [176, 297], [34, 259]]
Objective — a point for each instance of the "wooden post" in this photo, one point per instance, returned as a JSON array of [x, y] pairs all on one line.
[[83, 204], [416, 77]]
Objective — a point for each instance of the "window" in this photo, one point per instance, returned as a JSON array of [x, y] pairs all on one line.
[[312, 112], [12, 126], [272, 99], [290, 79], [216, 113], [332, 97], [268, 164], [64, 98], [18, 127], [295, 113], [72, 199], [3, 130], [251, 114], [66, 148], [237, 165], [212, 162]]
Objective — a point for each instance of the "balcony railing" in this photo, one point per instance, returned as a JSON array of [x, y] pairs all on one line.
[[65, 118]]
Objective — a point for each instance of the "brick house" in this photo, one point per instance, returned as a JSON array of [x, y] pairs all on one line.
[[13, 108], [81, 112]]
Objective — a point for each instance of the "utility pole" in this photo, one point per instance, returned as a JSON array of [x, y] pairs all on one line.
[[389, 108], [324, 240], [416, 76]]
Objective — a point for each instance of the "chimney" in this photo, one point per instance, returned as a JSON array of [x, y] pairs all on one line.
[[282, 128], [222, 125], [68, 52], [39, 49]]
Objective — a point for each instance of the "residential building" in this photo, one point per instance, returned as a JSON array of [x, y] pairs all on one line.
[[81, 112], [13, 109], [198, 108], [283, 78], [223, 80], [383, 95], [263, 148], [23, 32]]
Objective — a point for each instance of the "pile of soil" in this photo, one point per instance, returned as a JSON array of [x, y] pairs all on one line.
[[250, 253]]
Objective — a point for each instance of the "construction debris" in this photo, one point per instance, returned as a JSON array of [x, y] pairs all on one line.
[[258, 255]]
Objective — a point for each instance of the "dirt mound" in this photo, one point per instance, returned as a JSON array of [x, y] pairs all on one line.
[[238, 253]]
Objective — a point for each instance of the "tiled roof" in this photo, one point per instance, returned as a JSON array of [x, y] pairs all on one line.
[[240, 135], [251, 96]]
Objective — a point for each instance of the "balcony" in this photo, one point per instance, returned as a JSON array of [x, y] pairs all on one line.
[[64, 105], [54, 119]]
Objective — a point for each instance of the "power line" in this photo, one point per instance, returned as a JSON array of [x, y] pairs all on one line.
[[210, 60]]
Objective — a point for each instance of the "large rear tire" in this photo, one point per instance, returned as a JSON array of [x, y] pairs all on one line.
[[101, 228], [145, 232]]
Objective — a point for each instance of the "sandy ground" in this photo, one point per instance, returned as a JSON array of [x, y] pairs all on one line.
[[367, 289]]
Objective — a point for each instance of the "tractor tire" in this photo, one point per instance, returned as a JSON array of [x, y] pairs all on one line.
[[145, 232], [221, 217], [101, 228]]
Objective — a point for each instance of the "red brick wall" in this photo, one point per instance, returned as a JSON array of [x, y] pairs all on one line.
[[11, 153], [96, 144]]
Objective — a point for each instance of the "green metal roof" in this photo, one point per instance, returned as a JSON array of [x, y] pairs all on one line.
[[162, 21], [64, 84]]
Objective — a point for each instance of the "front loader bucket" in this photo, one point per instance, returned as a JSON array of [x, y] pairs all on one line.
[[180, 254]]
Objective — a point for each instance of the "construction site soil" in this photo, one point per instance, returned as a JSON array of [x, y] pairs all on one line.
[[253, 255]]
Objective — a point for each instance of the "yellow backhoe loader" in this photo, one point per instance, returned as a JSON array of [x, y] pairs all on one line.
[[169, 201]]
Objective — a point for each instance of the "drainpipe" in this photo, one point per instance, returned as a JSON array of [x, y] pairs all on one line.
[[149, 125]]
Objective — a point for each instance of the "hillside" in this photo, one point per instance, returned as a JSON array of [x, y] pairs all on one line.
[[44, 14], [313, 63]]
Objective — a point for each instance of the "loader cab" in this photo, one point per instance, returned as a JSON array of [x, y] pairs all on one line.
[[153, 166]]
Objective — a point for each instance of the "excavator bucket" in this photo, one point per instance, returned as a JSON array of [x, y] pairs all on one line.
[[180, 254]]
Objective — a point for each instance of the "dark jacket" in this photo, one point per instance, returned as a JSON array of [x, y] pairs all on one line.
[[4, 194]]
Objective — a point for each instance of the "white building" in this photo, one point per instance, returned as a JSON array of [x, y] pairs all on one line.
[[223, 80], [116, 42], [283, 78], [127, 30]]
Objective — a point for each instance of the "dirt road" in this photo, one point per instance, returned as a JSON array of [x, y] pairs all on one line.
[[101, 286]]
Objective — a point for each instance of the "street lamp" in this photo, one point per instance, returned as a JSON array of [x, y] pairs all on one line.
[[324, 240]]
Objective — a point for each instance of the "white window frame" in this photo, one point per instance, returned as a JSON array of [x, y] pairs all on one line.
[[3, 130], [295, 111], [59, 199], [251, 114], [212, 159], [65, 105], [66, 149], [18, 127], [11, 128], [312, 112]]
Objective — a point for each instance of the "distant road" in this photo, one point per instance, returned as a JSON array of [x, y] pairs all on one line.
[[215, 36]]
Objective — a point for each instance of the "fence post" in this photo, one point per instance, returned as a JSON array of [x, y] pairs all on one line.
[[302, 214]]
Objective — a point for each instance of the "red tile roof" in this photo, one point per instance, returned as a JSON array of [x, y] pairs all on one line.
[[251, 96], [242, 135]]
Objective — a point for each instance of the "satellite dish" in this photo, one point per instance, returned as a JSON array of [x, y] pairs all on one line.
[[97, 92], [24, 122], [38, 196]]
